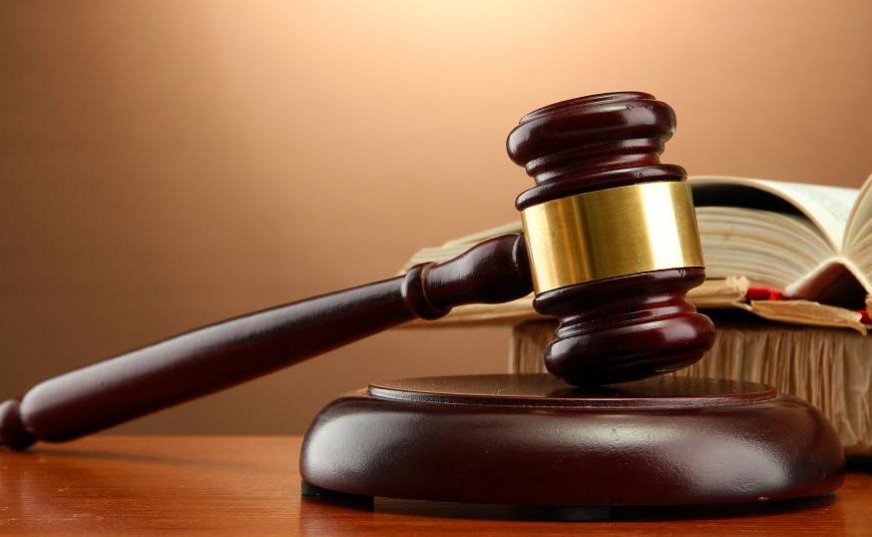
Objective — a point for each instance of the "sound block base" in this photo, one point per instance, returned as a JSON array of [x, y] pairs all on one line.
[[533, 440]]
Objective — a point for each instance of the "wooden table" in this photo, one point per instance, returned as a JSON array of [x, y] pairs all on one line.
[[251, 486]]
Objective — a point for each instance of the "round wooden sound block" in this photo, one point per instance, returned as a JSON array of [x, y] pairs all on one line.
[[533, 440]]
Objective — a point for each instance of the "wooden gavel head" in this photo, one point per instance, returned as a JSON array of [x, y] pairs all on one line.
[[611, 237]]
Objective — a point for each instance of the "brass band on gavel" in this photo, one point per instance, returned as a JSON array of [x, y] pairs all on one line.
[[611, 232]]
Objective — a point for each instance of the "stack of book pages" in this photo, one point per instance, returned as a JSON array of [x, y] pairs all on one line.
[[829, 368], [789, 268]]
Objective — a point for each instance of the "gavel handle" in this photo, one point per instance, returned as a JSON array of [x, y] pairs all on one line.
[[228, 353]]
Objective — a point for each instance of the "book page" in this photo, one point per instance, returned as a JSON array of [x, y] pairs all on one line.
[[860, 219], [827, 207], [838, 280], [768, 247]]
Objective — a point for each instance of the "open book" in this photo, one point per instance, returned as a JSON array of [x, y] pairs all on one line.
[[811, 244], [809, 241]]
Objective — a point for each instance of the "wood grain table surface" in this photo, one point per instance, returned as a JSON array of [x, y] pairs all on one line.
[[148, 485]]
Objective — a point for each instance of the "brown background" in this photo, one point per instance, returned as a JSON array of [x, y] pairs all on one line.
[[166, 164]]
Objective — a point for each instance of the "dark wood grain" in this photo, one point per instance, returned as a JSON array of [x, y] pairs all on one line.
[[108, 485], [627, 327], [225, 354], [592, 143], [660, 441]]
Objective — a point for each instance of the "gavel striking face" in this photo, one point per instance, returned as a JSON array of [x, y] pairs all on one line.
[[610, 247], [612, 239]]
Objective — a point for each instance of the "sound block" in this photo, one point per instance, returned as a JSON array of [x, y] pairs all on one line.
[[533, 440]]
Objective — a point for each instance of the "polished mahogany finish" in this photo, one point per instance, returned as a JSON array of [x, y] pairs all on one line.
[[591, 143], [225, 354], [535, 440], [627, 327]]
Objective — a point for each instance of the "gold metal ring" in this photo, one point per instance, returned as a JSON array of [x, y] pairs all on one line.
[[612, 232]]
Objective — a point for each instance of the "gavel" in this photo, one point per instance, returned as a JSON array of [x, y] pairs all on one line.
[[610, 247]]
